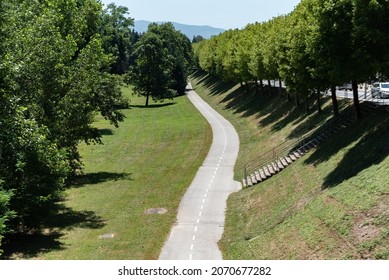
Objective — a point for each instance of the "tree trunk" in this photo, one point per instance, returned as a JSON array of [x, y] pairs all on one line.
[[318, 96], [256, 86], [306, 103], [241, 84], [247, 87], [280, 88], [261, 83], [357, 108], [147, 99], [334, 100], [296, 99], [288, 95]]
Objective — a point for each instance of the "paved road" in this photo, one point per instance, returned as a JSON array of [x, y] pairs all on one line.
[[362, 96], [201, 214], [348, 94]]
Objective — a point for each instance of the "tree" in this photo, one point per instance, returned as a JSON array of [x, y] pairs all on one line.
[[54, 78], [256, 64], [180, 51], [274, 42], [351, 41], [33, 168], [197, 39], [5, 195], [301, 65], [63, 78], [117, 35], [244, 44], [371, 38], [150, 75], [163, 57]]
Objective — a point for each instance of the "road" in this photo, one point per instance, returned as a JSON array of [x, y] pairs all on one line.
[[363, 96], [201, 214]]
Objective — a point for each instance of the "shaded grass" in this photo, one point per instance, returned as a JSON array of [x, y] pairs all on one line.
[[148, 162], [263, 120], [332, 204]]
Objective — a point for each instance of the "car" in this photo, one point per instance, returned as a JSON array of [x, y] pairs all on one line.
[[380, 90], [346, 87]]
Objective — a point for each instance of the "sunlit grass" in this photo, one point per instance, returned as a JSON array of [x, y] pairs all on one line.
[[148, 162]]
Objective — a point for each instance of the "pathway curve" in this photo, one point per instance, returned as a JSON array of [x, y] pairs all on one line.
[[201, 214]]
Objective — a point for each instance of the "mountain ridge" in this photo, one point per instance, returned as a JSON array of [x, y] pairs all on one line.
[[190, 31]]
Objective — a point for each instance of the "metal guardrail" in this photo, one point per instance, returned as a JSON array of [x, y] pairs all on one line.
[[265, 160], [274, 155], [376, 101]]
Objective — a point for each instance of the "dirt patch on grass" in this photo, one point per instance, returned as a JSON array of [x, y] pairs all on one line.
[[364, 228], [369, 225], [159, 211]]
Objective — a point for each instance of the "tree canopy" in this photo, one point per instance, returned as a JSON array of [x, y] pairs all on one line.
[[163, 57], [118, 37], [54, 78], [320, 45]]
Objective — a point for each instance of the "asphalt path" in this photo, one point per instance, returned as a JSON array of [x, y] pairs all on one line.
[[201, 214]]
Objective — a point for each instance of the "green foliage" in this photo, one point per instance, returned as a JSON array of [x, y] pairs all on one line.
[[163, 57], [150, 75], [197, 39], [370, 34], [180, 53], [319, 45], [118, 37], [33, 168], [61, 78], [54, 79], [5, 213]]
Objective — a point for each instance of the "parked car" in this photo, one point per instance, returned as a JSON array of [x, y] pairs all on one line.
[[380, 90], [346, 87]]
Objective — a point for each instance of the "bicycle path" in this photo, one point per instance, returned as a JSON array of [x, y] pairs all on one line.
[[201, 214]]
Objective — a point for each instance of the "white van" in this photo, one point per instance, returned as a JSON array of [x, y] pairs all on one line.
[[380, 90]]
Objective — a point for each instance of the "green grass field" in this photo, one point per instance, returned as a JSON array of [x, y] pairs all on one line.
[[148, 162], [331, 204]]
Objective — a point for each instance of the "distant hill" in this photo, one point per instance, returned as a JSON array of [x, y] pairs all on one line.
[[140, 26]]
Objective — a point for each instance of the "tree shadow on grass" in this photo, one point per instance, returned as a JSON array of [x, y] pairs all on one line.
[[27, 245], [268, 107], [97, 178], [154, 106], [371, 138], [32, 243], [105, 131], [213, 84], [277, 113]]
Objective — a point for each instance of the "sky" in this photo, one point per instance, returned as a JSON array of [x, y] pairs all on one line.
[[227, 14]]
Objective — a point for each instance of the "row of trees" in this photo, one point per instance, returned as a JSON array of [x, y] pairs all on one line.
[[58, 60], [321, 44]]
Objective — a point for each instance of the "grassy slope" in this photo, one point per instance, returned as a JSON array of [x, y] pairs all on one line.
[[146, 163], [332, 204]]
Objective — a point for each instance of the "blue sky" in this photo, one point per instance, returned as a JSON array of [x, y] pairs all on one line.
[[217, 13]]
